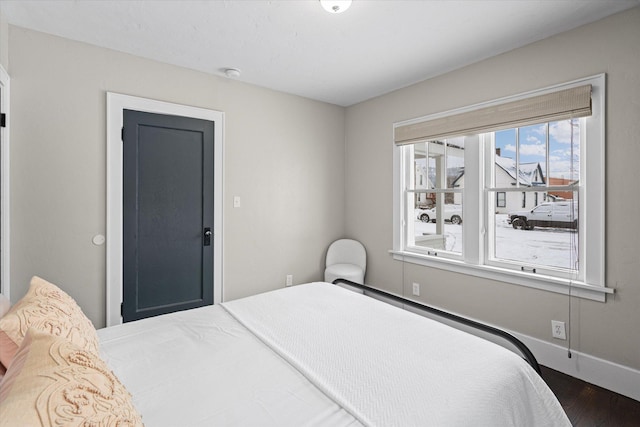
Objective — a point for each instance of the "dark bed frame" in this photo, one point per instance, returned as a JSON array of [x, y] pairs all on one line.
[[523, 349]]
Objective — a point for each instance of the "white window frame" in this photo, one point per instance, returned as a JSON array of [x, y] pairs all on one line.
[[574, 276], [438, 188], [473, 262]]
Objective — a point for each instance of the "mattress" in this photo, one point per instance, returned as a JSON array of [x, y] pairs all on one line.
[[317, 354]]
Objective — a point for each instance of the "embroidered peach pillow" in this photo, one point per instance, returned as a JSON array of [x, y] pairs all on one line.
[[47, 308], [53, 382]]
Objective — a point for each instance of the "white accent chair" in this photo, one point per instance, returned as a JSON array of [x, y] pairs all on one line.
[[346, 259]]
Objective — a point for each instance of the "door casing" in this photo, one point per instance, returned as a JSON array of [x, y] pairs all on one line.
[[5, 244], [116, 103]]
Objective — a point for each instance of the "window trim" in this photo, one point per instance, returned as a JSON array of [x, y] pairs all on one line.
[[474, 260], [409, 232], [512, 277]]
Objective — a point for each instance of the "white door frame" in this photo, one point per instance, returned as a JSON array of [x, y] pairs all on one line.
[[116, 103], [5, 266]]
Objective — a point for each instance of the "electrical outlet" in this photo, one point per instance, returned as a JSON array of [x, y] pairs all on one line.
[[557, 330], [289, 281], [416, 289]]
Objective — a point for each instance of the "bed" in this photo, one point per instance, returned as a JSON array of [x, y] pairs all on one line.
[[309, 355], [320, 355]]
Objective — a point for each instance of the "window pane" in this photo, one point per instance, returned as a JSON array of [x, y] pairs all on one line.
[[420, 171], [440, 228], [545, 236], [455, 163], [527, 145], [436, 218], [444, 162], [505, 158], [435, 155], [564, 155], [423, 199], [532, 154], [536, 229]]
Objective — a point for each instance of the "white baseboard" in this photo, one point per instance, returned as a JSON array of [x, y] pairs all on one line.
[[612, 376]]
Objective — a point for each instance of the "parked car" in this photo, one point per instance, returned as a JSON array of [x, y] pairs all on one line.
[[553, 214], [452, 213], [423, 214]]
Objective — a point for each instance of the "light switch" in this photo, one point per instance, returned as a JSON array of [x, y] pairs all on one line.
[[236, 201]]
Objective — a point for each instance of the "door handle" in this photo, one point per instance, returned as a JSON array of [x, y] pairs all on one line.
[[207, 236]]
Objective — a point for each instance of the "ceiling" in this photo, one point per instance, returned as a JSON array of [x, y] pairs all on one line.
[[294, 46]]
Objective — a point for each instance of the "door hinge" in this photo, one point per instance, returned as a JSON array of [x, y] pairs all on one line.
[[122, 134], [121, 309], [3, 120]]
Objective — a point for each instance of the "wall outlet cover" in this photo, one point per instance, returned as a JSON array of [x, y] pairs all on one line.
[[558, 330], [416, 289]]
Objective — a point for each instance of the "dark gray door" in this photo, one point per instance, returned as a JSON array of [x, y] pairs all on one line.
[[167, 214]]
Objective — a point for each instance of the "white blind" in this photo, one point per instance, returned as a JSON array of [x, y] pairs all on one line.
[[561, 105]]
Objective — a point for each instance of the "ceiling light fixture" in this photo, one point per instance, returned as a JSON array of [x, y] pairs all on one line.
[[232, 73], [335, 6]]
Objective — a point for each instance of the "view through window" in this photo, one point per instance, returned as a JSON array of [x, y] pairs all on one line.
[[437, 194], [543, 163]]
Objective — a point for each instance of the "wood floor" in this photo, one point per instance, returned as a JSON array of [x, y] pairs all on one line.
[[590, 405]]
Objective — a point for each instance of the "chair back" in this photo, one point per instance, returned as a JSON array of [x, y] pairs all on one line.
[[347, 251]]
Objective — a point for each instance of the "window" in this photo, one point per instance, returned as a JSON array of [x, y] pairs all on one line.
[[548, 158], [509, 187], [438, 227]]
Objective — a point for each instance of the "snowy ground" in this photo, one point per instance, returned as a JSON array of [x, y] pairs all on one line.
[[541, 246]]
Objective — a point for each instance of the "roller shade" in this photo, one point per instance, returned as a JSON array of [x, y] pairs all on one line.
[[561, 105]]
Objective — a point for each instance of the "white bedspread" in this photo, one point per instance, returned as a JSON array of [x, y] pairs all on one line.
[[202, 368], [389, 367], [319, 355]]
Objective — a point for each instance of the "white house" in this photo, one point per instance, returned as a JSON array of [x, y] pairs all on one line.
[[528, 175]]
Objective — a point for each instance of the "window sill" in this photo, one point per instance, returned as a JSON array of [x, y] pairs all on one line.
[[531, 280]]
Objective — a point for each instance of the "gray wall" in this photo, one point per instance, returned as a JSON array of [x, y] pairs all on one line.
[[606, 330], [4, 42], [284, 155]]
